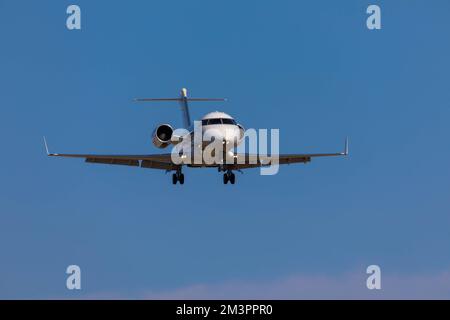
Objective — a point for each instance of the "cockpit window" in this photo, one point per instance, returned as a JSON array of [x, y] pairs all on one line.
[[206, 122], [215, 121], [228, 121]]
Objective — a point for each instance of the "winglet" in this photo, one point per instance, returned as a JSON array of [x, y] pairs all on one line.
[[346, 147], [46, 146]]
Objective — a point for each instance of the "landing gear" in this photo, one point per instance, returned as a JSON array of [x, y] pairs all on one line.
[[232, 178], [178, 177], [229, 176]]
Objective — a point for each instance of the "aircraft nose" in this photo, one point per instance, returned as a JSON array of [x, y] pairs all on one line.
[[212, 134], [229, 136]]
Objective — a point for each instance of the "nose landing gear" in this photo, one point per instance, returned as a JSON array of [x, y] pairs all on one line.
[[229, 176]]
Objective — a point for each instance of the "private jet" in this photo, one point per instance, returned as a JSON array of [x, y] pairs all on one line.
[[214, 125]]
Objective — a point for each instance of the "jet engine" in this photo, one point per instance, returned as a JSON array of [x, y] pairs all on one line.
[[162, 135]]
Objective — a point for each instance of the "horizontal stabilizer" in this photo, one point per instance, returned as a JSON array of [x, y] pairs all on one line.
[[183, 100], [178, 99]]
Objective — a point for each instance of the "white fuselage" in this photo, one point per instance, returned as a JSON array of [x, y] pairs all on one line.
[[219, 126], [216, 132]]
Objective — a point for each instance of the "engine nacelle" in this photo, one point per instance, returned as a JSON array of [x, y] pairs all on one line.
[[162, 135]]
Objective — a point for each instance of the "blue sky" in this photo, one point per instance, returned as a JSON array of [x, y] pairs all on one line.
[[310, 68]]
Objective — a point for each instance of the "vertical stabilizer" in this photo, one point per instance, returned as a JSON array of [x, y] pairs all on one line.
[[185, 108]]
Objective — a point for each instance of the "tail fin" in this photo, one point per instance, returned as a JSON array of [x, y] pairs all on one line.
[[183, 100]]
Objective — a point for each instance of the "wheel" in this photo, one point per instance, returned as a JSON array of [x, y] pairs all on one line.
[[174, 179], [181, 178], [232, 178], [225, 178]]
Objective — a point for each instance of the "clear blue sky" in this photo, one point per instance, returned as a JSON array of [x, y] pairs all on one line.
[[310, 68]]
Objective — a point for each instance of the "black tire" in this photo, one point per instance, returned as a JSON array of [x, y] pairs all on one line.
[[225, 178], [232, 178], [174, 179], [181, 178]]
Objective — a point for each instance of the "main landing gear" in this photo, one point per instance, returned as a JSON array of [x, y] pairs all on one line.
[[229, 176], [178, 177]]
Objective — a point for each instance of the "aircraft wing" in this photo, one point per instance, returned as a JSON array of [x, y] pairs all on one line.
[[245, 160], [164, 161], [154, 161]]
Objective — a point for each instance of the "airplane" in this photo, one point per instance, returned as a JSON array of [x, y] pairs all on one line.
[[215, 124]]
